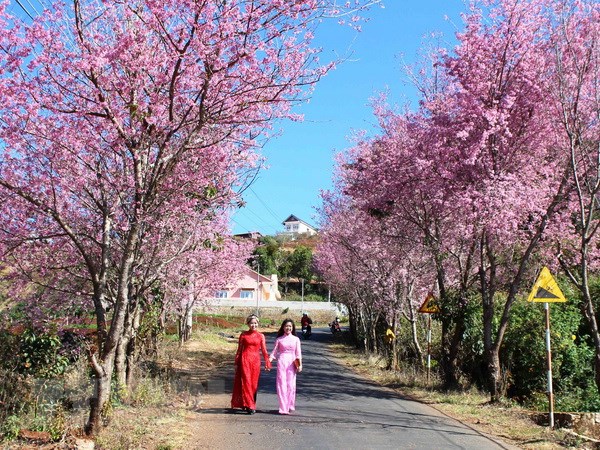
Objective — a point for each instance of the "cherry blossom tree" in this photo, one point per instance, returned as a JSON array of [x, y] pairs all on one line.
[[481, 171], [114, 115], [504, 134], [399, 178], [576, 99], [372, 265], [208, 266]]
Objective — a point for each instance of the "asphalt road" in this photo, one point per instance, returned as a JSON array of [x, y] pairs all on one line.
[[335, 409]]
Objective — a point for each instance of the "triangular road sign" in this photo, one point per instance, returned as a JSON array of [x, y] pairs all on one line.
[[429, 306], [545, 289]]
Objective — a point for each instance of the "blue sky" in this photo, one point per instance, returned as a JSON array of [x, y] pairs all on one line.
[[300, 160]]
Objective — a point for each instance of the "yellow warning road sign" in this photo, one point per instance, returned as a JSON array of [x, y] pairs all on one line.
[[429, 306], [545, 289]]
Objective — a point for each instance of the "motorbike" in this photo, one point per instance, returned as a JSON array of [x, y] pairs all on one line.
[[335, 327], [306, 331]]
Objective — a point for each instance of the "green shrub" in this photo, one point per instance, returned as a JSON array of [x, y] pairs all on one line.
[[294, 297], [52, 418], [59, 422], [525, 354], [10, 427], [39, 354], [33, 379], [472, 355], [15, 393]]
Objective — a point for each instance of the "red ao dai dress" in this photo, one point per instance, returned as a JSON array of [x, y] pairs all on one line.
[[247, 369], [287, 349]]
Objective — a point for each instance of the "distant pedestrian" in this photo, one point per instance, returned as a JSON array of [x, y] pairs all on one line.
[[247, 366], [288, 353]]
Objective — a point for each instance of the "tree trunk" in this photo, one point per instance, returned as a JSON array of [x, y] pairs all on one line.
[[496, 385], [101, 395], [189, 322], [122, 358], [451, 340], [590, 316], [132, 346], [352, 325], [394, 346], [364, 331], [373, 318], [129, 374], [103, 370], [120, 373], [185, 323], [414, 332], [487, 283]]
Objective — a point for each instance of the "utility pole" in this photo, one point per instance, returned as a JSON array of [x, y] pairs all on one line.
[[257, 283], [302, 295]]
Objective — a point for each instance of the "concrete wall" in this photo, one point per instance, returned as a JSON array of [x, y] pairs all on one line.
[[319, 312]]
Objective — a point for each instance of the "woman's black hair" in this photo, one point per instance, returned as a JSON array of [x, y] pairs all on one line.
[[281, 332]]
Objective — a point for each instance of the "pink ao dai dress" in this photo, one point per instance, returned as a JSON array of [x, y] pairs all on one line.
[[287, 349]]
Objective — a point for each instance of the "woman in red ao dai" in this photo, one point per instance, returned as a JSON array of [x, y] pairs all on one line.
[[247, 366], [286, 351]]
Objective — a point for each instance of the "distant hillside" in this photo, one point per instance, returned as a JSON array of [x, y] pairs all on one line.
[[301, 240]]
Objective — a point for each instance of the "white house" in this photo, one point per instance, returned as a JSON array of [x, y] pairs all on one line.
[[293, 225]]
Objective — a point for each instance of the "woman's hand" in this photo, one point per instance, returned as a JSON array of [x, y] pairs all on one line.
[[300, 368]]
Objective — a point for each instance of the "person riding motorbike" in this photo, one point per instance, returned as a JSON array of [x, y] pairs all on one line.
[[306, 323], [334, 326]]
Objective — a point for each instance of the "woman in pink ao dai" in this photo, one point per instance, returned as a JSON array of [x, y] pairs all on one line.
[[286, 351]]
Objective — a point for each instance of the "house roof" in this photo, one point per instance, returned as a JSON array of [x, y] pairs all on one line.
[[293, 218], [252, 273], [249, 235]]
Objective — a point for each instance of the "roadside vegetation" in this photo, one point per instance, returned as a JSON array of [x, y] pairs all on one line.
[[46, 400], [467, 199], [45, 386]]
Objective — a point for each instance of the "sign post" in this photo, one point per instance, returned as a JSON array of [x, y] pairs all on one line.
[[546, 290], [429, 307]]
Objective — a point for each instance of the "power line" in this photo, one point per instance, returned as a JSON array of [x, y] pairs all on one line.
[[260, 218], [269, 210], [243, 214], [45, 5], [33, 8], [24, 9]]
